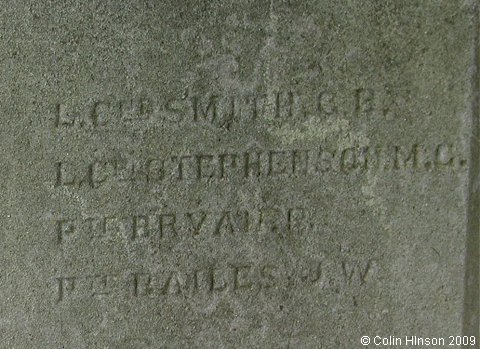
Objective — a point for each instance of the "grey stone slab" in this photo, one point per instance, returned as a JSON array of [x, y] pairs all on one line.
[[238, 174]]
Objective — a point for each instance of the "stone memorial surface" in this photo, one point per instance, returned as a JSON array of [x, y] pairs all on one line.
[[238, 174]]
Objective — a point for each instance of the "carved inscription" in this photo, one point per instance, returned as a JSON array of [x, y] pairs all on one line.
[[329, 275], [260, 163], [221, 110], [161, 226]]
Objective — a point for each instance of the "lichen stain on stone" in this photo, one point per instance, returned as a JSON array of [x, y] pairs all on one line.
[[314, 130]]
